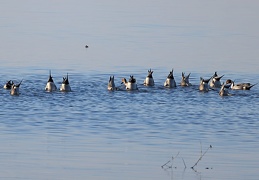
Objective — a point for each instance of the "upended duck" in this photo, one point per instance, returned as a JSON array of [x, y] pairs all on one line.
[[50, 86], [204, 84], [111, 84], [149, 81], [223, 91], [185, 80], [15, 89], [215, 82], [170, 82], [131, 84], [65, 87]]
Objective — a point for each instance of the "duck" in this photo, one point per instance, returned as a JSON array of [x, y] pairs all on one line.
[[111, 84], [240, 86], [65, 87], [223, 90], [15, 89], [149, 81], [215, 83], [170, 82], [185, 80], [8, 84], [131, 84], [204, 84], [50, 86]]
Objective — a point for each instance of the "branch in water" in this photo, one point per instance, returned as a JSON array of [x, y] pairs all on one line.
[[201, 156]]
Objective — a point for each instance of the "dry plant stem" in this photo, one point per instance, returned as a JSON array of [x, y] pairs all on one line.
[[201, 157], [184, 163], [175, 156], [201, 148], [165, 164]]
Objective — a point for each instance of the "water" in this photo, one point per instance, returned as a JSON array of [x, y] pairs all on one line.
[[91, 133]]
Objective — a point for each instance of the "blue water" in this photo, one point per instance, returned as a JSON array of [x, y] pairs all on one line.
[[92, 133]]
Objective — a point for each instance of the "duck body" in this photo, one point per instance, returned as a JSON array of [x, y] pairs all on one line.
[[170, 82], [215, 82], [149, 81], [185, 80], [111, 84], [240, 86], [65, 87], [50, 86], [131, 84], [204, 84]]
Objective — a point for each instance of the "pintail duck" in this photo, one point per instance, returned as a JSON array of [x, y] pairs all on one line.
[[65, 87], [8, 84], [215, 82], [223, 91], [111, 84], [170, 82], [15, 89], [149, 81], [204, 86], [241, 86], [131, 85], [50, 86], [185, 80]]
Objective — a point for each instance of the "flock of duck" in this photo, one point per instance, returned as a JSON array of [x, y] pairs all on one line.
[[50, 86], [205, 84]]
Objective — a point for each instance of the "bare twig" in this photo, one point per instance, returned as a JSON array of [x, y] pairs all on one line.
[[175, 156], [184, 163], [201, 148], [201, 157], [171, 165], [165, 164]]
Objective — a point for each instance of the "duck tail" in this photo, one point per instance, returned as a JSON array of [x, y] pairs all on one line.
[[252, 86], [218, 78], [207, 80], [19, 83], [183, 74]]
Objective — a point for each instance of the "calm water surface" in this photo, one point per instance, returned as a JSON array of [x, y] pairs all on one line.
[[94, 133], [91, 133]]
